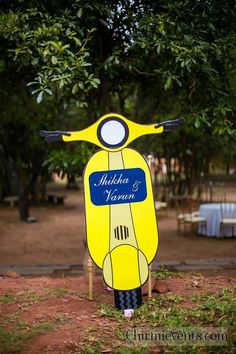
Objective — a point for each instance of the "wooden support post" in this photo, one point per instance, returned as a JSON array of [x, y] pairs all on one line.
[[150, 282], [149, 157], [90, 277]]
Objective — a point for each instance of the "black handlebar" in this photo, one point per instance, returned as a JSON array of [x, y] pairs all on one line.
[[55, 135], [169, 125]]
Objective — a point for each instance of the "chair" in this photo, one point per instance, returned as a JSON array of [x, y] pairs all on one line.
[[161, 206], [194, 221], [187, 215], [228, 217], [181, 215]]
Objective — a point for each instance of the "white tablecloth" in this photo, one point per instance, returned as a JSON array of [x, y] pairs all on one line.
[[213, 214]]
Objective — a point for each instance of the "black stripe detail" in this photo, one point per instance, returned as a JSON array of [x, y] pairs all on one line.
[[121, 232]]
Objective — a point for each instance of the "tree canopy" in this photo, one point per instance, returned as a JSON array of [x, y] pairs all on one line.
[[64, 63]]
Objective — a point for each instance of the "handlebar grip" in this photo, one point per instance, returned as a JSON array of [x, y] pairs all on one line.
[[169, 125], [56, 135]]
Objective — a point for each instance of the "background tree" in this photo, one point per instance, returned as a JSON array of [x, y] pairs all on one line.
[[186, 65], [145, 59], [42, 49]]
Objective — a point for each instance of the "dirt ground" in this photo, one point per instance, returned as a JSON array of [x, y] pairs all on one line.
[[57, 236], [43, 315]]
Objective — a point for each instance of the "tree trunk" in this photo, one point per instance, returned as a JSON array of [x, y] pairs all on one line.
[[24, 192], [71, 182], [23, 205], [43, 186]]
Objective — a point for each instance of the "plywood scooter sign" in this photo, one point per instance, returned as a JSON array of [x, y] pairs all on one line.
[[122, 233]]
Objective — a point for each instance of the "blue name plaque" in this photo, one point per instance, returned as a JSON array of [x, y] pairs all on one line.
[[118, 186]]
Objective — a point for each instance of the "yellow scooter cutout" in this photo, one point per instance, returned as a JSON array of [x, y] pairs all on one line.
[[122, 233]]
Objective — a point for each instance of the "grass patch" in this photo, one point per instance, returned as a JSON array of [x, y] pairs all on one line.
[[166, 311], [60, 318], [89, 349], [218, 309], [32, 297], [155, 311], [13, 341], [98, 348], [136, 350], [111, 312], [62, 292], [211, 310], [28, 298], [226, 294], [199, 350], [55, 292], [7, 299], [164, 273]]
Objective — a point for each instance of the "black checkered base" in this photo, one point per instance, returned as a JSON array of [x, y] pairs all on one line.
[[129, 299]]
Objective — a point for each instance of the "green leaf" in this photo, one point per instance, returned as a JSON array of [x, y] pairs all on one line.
[[197, 123], [77, 41], [54, 60], [75, 89], [143, 45], [95, 82], [35, 61], [45, 52], [65, 47], [40, 97], [48, 91], [79, 12], [168, 83], [32, 83], [103, 22], [33, 92]]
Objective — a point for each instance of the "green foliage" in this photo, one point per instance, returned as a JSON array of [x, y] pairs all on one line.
[[148, 60], [7, 299], [171, 311], [12, 341], [68, 162], [179, 50], [89, 349], [191, 55], [164, 273], [111, 312], [211, 309], [132, 350], [53, 47]]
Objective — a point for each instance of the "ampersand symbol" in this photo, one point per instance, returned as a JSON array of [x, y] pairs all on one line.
[[136, 186]]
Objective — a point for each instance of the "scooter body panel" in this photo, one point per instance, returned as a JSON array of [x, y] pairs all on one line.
[[122, 233]]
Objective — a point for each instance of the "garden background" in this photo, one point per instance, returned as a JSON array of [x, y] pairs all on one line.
[[63, 64]]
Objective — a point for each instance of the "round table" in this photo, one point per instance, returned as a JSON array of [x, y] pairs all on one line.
[[212, 212]]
